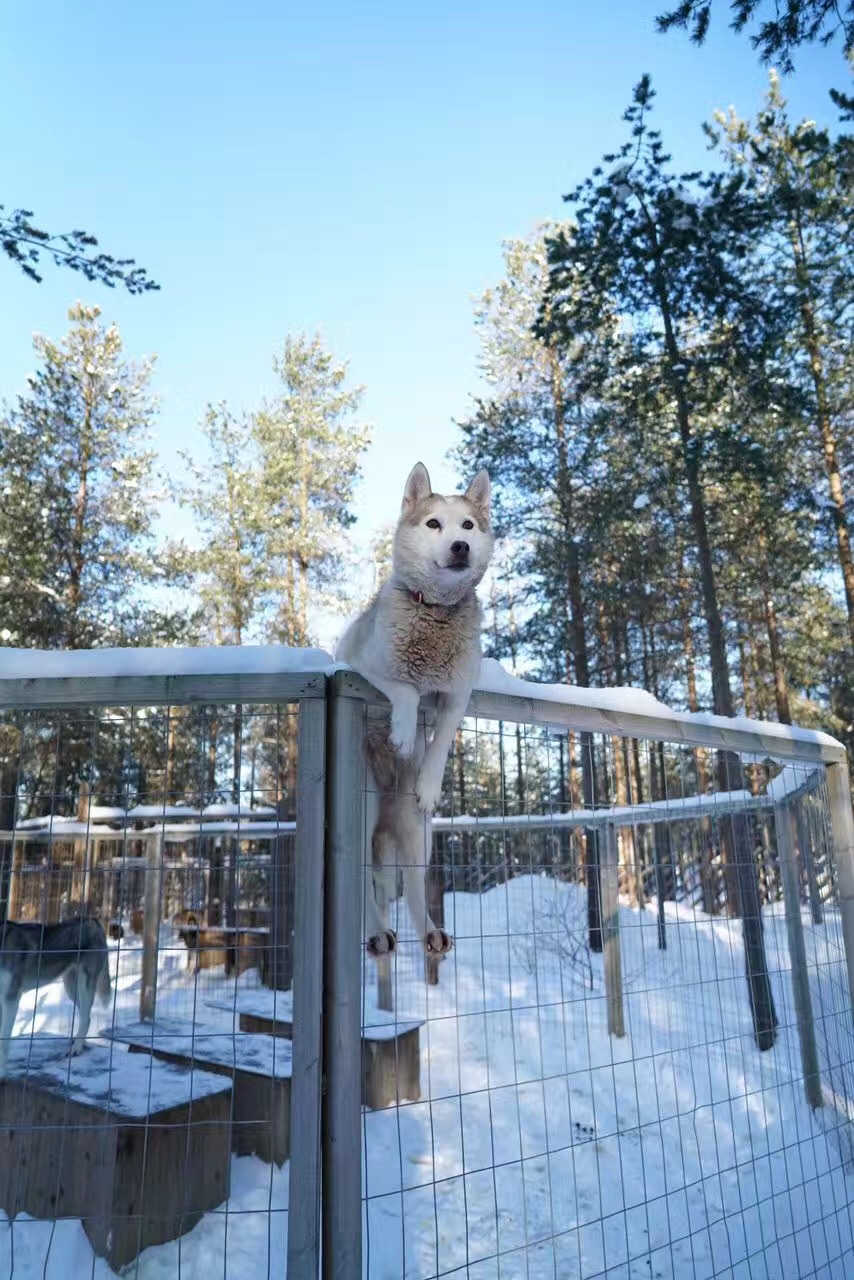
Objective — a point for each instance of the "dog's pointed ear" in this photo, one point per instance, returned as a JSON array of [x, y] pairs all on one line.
[[478, 492], [417, 487]]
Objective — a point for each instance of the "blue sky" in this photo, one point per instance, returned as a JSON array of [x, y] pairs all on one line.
[[338, 166]]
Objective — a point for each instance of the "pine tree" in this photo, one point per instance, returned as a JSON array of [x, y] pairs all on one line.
[[669, 250], [310, 450], [273, 498], [225, 498], [533, 435], [25, 243], [802, 180], [789, 24], [76, 474]]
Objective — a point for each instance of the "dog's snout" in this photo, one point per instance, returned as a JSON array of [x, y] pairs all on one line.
[[459, 548]]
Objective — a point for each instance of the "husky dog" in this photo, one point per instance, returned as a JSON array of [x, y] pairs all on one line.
[[32, 955], [419, 635]]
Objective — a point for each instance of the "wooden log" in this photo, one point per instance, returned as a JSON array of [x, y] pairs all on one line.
[[391, 1067], [391, 1057], [153, 904]]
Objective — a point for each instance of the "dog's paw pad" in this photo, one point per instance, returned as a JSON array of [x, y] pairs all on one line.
[[403, 743], [382, 944], [428, 794], [438, 943]]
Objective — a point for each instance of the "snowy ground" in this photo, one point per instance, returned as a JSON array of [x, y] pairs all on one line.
[[543, 1148]]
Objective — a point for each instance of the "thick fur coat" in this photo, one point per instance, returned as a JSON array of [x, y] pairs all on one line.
[[420, 635]]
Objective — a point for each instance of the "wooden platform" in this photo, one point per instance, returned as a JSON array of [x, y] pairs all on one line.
[[258, 1065], [138, 1149], [237, 949], [391, 1047]]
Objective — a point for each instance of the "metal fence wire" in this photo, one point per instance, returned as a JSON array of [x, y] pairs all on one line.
[[637, 1059]]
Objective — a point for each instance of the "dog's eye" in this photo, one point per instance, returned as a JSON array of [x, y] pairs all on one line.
[[433, 523], [468, 524]]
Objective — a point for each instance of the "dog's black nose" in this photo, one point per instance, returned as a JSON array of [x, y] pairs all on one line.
[[459, 548]]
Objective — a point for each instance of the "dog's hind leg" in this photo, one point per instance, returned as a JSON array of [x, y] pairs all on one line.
[[380, 938], [80, 985], [436, 940], [415, 833], [9, 1001], [8, 1012]]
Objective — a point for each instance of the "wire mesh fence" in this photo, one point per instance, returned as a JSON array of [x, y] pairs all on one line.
[[637, 1058], [148, 887]]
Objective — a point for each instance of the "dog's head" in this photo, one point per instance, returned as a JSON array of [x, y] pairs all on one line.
[[442, 545]]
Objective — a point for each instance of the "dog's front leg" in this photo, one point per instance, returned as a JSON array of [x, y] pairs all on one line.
[[8, 1013], [428, 784], [404, 700]]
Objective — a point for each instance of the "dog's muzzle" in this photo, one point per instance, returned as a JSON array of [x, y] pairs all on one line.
[[459, 555]]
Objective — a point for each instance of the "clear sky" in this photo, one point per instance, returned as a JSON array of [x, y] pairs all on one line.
[[342, 166]]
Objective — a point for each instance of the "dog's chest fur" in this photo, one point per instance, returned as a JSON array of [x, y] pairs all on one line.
[[433, 646]]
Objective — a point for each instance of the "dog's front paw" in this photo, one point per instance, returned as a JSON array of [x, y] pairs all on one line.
[[382, 944], [402, 736], [428, 790], [438, 943]]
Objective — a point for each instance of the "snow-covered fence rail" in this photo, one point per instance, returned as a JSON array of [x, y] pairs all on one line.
[[637, 1059]]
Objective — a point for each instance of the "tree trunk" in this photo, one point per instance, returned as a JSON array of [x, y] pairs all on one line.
[[705, 868], [734, 832], [303, 559], [213, 736], [748, 694], [11, 856], [169, 790], [781, 684], [579, 655], [459, 760], [81, 855], [758, 668], [77, 555], [625, 837], [823, 416]]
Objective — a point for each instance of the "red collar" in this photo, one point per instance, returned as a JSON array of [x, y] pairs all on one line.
[[417, 597]]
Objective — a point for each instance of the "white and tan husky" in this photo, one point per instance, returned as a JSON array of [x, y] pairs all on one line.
[[419, 635]]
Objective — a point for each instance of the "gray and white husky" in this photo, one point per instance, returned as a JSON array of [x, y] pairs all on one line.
[[419, 635], [33, 955]]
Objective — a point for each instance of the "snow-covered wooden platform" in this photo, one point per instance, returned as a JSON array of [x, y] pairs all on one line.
[[138, 1149], [258, 1065], [391, 1049]]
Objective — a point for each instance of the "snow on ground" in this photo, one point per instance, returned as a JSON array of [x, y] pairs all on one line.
[[677, 1151]]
